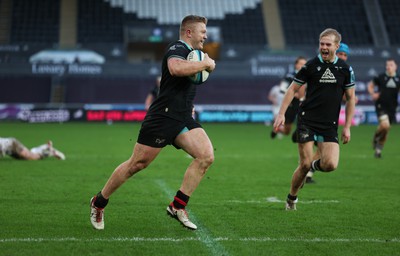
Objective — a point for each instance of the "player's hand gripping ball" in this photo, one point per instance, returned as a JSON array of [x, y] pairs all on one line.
[[200, 77]]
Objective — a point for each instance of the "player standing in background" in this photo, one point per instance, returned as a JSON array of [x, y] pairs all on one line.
[[385, 97], [276, 97], [343, 51], [152, 95], [327, 78], [291, 112], [14, 148], [169, 121]]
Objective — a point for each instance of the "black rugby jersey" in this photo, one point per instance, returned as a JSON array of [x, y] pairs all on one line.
[[286, 81], [326, 83], [154, 91], [284, 86], [388, 87], [176, 94]]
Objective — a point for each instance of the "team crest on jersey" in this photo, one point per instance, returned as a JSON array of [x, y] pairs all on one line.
[[318, 68], [328, 77], [391, 83]]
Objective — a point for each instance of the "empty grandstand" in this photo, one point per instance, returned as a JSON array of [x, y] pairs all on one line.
[[254, 42]]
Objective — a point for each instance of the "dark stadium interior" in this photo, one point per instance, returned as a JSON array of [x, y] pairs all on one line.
[[253, 41]]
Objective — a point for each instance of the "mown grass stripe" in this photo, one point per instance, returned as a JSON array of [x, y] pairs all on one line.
[[201, 239], [202, 233]]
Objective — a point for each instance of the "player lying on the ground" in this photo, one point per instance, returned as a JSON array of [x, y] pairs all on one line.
[[14, 148]]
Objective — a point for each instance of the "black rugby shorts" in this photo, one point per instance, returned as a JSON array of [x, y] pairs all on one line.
[[381, 111], [158, 131], [314, 131]]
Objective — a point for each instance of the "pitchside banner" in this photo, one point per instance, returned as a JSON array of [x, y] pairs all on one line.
[[32, 114], [135, 113]]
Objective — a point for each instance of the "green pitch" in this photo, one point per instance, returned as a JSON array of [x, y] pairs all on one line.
[[238, 207]]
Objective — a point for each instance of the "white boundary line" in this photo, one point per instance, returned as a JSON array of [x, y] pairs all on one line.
[[202, 233], [276, 200], [200, 238]]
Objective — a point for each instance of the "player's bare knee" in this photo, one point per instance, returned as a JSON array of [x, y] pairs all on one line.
[[207, 161], [385, 126], [329, 166], [142, 164], [137, 167], [210, 159]]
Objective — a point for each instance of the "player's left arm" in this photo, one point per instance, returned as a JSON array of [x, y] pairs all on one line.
[[350, 107], [350, 93]]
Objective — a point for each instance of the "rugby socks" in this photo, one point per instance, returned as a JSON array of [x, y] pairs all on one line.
[[180, 200], [378, 148], [310, 173], [100, 201], [292, 198], [316, 166], [377, 136]]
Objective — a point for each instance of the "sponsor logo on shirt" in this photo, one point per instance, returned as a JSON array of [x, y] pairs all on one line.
[[391, 83], [328, 77]]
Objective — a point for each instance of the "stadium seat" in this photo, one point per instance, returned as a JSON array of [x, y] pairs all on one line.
[[390, 12], [241, 21], [302, 24], [35, 21]]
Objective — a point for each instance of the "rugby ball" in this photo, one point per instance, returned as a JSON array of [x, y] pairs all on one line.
[[200, 77]]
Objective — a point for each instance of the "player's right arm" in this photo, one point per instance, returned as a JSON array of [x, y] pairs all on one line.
[[149, 99], [183, 67], [287, 99], [272, 95], [301, 93], [371, 90]]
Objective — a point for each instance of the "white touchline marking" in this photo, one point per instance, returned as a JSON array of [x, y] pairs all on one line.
[[201, 239], [276, 200], [202, 233]]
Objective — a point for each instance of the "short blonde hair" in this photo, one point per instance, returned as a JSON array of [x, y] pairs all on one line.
[[189, 20], [331, 31]]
